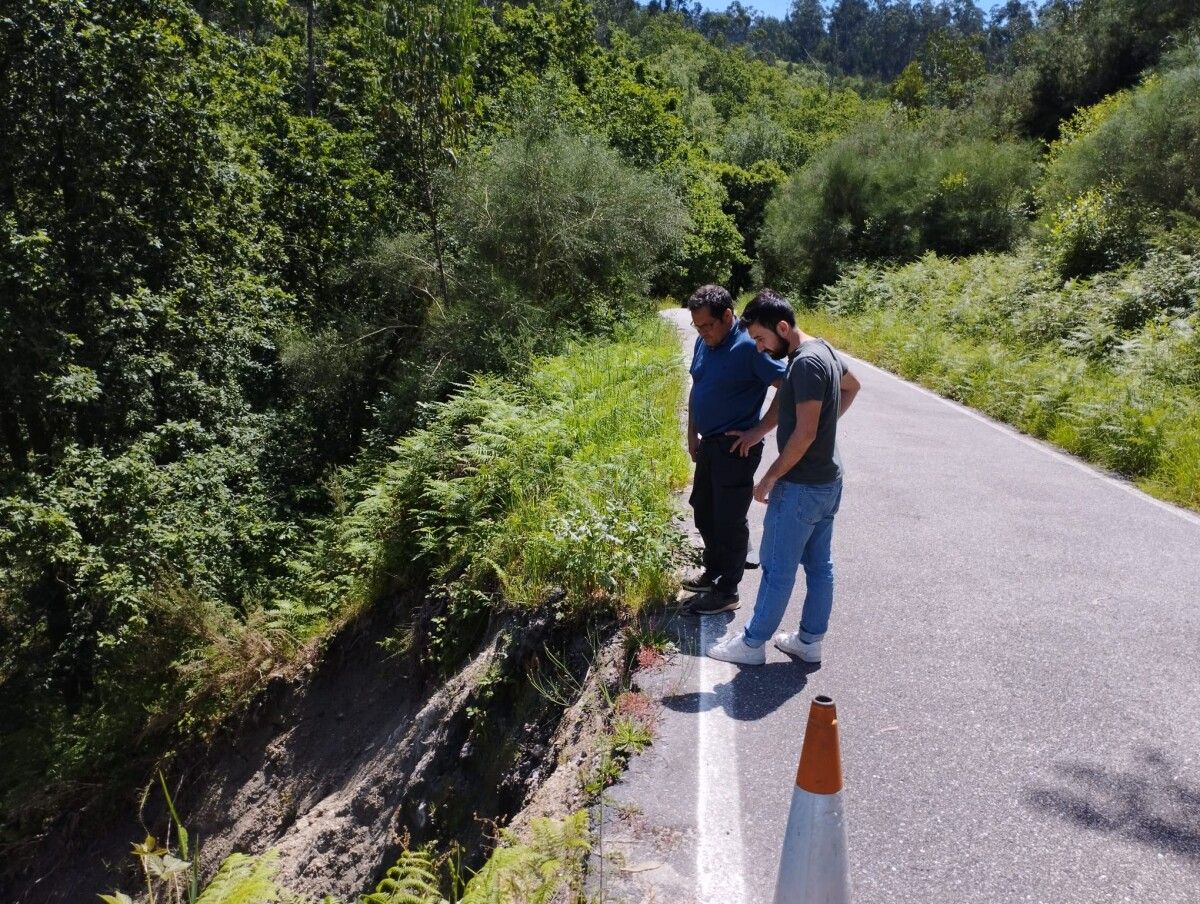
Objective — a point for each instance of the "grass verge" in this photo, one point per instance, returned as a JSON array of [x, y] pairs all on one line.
[[1104, 368]]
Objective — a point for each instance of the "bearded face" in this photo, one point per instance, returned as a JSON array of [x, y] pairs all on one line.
[[770, 341]]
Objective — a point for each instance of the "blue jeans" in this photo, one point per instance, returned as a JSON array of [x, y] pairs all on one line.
[[798, 530]]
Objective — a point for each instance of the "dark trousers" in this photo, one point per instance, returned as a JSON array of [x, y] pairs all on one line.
[[721, 494]]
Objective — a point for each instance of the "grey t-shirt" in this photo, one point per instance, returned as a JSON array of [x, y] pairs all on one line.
[[814, 373]]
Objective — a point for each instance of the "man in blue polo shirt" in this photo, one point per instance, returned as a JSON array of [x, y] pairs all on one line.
[[730, 377]]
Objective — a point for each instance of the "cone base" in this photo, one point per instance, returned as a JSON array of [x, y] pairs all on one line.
[[813, 868]]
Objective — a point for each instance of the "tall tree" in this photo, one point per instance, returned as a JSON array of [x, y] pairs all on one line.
[[1007, 25], [849, 35], [806, 27], [432, 48]]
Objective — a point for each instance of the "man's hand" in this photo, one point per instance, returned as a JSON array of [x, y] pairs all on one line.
[[762, 490], [746, 440], [693, 445]]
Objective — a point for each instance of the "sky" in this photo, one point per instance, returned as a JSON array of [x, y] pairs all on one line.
[[779, 8]]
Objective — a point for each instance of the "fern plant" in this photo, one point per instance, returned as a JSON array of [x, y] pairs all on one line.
[[413, 880], [537, 872], [245, 880]]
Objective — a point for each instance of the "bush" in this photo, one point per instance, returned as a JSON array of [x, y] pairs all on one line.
[[1096, 231], [1145, 141], [891, 191], [564, 222]]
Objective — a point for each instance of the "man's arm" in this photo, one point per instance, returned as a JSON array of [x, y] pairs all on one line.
[[748, 439], [808, 418], [850, 387], [693, 436]]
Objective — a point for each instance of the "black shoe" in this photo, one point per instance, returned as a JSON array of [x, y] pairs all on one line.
[[697, 582], [712, 602]]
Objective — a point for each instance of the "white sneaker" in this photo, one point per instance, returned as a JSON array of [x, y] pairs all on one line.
[[735, 649], [793, 645]]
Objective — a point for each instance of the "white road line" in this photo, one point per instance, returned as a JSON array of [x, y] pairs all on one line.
[[1039, 446], [720, 856], [720, 868]]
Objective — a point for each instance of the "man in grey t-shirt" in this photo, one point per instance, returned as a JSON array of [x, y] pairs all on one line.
[[802, 488]]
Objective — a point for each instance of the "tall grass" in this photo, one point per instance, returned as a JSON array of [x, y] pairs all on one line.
[[559, 481], [1105, 368]]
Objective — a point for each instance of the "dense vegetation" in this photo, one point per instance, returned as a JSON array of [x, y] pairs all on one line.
[[1107, 367], [1055, 286], [274, 277], [249, 248]]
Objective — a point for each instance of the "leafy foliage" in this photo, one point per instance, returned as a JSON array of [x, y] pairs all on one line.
[[546, 867], [538, 871], [560, 480], [1146, 141], [222, 281], [1086, 50], [891, 190], [1097, 231], [564, 222], [1105, 367], [412, 880]]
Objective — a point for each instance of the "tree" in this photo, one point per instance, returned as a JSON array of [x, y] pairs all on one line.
[[910, 90], [430, 77], [120, 190], [951, 64], [1008, 25], [849, 36], [1087, 49], [806, 26]]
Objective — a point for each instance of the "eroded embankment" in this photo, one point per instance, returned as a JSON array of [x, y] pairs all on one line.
[[335, 767]]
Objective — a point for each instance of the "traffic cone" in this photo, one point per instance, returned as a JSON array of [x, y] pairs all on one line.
[[813, 867]]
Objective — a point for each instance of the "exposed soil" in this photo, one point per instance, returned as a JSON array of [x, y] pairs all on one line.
[[334, 767]]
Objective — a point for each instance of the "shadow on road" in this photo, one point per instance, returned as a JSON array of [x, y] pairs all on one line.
[[753, 693], [1150, 805]]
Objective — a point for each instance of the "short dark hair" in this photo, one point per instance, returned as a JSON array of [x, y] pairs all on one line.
[[716, 298], [768, 308]]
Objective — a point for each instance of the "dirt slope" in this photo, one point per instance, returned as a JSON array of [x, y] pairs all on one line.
[[333, 767]]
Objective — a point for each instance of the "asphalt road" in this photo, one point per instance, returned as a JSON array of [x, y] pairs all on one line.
[[1015, 657]]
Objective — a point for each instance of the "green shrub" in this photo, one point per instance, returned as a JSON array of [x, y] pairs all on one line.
[[564, 222], [546, 868], [1096, 231], [1146, 140], [414, 879], [892, 190], [978, 202]]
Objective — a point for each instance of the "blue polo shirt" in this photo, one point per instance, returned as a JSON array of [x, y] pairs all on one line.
[[729, 383]]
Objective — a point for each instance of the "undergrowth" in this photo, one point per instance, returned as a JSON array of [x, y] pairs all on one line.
[[1106, 367], [542, 869], [559, 484], [556, 486]]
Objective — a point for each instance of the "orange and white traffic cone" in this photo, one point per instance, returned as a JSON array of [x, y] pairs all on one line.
[[813, 867]]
